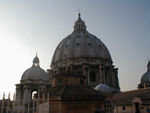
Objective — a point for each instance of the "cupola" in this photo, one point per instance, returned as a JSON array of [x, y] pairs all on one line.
[[35, 74], [145, 80]]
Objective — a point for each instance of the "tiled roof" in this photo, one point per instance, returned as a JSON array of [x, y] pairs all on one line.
[[126, 98], [78, 92]]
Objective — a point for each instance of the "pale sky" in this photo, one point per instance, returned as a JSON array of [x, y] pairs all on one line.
[[28, 26]]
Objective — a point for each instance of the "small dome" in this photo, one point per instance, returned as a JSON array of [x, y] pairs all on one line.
[[35, 72], [146, 76], [103, 88]]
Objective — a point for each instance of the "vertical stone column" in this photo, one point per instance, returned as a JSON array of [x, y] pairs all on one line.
[[114, 78], [25, 94], [100, 78], [38, 100], [109, 75], [103, 74], [84, 70], [17, 93], [18, 99], [88, 77], [41, 91], [117, 79], [86, 74]]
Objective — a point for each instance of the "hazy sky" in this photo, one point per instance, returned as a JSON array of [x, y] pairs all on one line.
[[28, 26]]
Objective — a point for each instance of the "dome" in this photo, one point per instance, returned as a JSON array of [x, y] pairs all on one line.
[[83, 53], [103, 88], [80, 44], [146, 76], [35, 72]]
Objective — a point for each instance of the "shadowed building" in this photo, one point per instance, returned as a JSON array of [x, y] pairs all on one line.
[[68, 94], [134, 101], [34, 80], [80, 62], [82, 79], [6, 106]]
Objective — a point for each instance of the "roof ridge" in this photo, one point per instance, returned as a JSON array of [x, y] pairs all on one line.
[[135, 90]]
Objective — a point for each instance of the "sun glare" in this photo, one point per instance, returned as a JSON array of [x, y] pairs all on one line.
[[13, 55]]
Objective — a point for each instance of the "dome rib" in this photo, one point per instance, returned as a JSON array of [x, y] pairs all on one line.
[[83, 46], [34, 73]]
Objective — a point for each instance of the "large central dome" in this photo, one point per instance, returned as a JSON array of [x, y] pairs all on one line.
[[80, 44], [83, 53]]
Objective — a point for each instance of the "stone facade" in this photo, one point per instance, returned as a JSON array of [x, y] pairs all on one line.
[[33, 80], [134, 101], [85, 54], [80, 62]]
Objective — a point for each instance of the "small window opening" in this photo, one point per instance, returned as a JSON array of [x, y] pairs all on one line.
[[89, 44], [60, 81], [147, 110], [34, 94], [77, 44], [81, 81], [93, 76], [123, 108], [108, 107]]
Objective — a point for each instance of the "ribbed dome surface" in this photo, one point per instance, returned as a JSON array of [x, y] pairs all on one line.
[[103, 88], [35, 73], [146, 76], [80, 44]]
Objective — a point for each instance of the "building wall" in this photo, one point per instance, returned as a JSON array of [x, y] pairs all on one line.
[[144, 108], [78, 108], [118, 109], [66, 81], [74, 107], [131, 109], [55, 107]]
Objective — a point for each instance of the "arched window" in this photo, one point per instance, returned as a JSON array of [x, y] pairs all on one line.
[[81, 81], [92, 76], [108, 107], [34, 94]]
